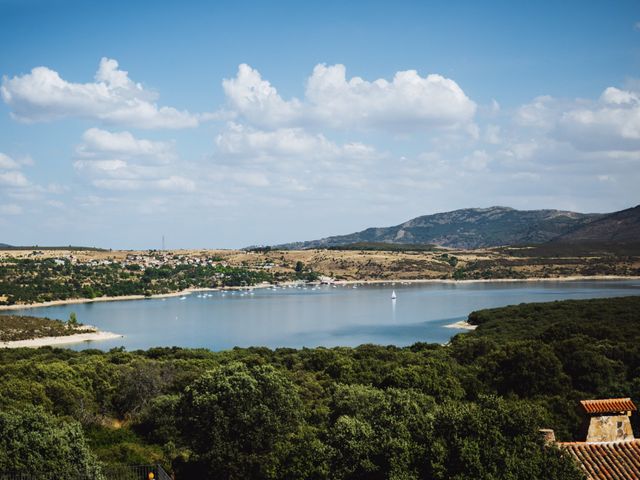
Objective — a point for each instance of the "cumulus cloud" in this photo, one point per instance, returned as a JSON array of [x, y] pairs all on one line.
[[539, 113], [407, 102], [42, 95], [10, 174], [286, 159], [286, 145], [98, 142], [120, 161], [240, 140], [257, 100], [13, 179], [6, 162], [610, 123]]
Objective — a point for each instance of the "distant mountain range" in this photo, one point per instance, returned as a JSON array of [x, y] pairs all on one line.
[[495, 226]]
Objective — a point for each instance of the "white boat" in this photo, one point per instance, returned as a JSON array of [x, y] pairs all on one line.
[[393, 295], [183, 298]]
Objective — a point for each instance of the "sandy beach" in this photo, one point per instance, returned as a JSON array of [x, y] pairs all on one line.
[[72, 301], [61, 340], [461, 325]]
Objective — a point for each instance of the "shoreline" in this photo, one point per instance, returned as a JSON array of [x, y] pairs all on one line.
[[461, 325], [570, 278], [72, 301], [95, 336]]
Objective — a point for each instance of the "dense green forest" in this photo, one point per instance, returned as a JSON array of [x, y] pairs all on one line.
[[467, 410]]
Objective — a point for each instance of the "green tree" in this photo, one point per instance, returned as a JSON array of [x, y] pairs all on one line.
[[35, 444], [379, 434], [494, 439], [238, 420]]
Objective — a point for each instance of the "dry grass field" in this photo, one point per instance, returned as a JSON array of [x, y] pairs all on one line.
[[367, 265]]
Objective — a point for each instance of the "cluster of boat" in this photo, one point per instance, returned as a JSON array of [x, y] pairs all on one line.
[[250, 290]]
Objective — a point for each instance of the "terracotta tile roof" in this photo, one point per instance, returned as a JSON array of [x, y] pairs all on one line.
[[609, 405], [607, 461]]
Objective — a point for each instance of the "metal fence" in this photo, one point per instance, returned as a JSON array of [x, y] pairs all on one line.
[[110, 472], [135, 472]]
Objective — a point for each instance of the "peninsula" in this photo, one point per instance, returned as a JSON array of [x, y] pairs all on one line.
[[18, 331]]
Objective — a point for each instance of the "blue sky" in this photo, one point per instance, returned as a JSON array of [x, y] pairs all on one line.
[[223, 124]]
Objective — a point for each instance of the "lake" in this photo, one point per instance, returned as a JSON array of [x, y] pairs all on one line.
[[315, 316]]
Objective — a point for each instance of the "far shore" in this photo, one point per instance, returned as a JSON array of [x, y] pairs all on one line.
[[189, 291], [61, 340], [490, 280]]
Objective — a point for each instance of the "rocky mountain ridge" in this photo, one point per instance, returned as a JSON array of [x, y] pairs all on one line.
[[467, 228]]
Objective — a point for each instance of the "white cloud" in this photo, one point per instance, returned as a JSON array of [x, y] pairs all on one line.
[[55, 203], [10, 209], [16, 187], [408, 102], [616, 96], [477, 161], [610, 123], [242, 140], [287, 148], [521, 151], [120, 161], [97, 142], [8, 163], [113, 98], [176, 183], [492, 134], [13, 179], [257, 100], [286, 160], [539, 113]]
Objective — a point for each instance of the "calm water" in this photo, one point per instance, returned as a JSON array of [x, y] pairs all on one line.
[[296, 317]]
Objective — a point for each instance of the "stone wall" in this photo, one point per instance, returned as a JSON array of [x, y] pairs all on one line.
[[609, 428]]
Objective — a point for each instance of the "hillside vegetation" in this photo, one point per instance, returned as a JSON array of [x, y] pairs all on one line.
[[467, 228], [619, 228], [467, 410], [39, 276], [21, 327]]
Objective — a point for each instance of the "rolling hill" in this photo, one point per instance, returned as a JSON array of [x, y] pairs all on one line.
[[620, 228], [467, 228]]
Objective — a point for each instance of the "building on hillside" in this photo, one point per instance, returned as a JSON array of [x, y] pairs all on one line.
[[610, 451]]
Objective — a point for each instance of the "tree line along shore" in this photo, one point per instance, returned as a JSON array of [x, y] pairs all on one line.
[[17, 331], [470, 409], [34, 276]]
